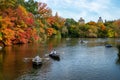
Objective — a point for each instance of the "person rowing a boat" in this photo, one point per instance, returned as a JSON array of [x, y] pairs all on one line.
[[37, 58], [53, 51]]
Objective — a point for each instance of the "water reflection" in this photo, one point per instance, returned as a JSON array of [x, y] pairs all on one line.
[[91, 61], [12, 63], [118, 61], [118, 48]]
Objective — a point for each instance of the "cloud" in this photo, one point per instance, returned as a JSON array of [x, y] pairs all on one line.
[[88, 9]]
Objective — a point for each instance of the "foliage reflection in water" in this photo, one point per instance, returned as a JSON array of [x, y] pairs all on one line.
[[89, 61]]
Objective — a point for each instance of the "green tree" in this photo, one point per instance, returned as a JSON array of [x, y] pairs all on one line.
[[31, 6], [83, 30], [73, 27], [102, 30]]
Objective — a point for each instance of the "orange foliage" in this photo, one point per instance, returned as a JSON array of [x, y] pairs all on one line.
[[25, 36], [16, 26], [8, 18], [50, 31], [43, 10], [6, 23], [40, 23], [22, 11], [24, 17], [103, 27], [56, 20], [51, 21], [42, 30], [8, 33], [8, 36], [34, 34]]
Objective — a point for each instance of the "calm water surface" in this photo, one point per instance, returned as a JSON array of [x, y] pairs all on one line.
[[90, 61]]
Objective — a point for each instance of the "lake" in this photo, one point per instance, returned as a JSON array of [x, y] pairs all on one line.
[[78, 61]]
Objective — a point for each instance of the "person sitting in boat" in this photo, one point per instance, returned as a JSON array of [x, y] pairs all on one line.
[[53, 52], [81, 41], [37, 58]]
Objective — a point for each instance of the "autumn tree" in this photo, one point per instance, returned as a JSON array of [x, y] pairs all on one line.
[[102, 30], [43, 11], [116, 28], [59, 22], [4, 4], [93, 30]]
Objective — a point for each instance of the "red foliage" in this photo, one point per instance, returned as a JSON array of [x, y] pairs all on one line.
[[25, 16], [51, 20]]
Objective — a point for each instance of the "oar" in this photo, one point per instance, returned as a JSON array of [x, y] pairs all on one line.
[[61, 52], [46, 55], [46, 58], [27, 59]]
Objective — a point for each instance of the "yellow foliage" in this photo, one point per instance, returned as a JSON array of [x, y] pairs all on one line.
[[42, 30], [6, 22], [23, 10], [0, 18], [8, 33], [54, 31], [18, 26], [111, 33], [41, 24], [0, 38]]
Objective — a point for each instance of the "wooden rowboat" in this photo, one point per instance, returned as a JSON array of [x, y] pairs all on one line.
[[55, 56], [108, 45], [37, 61]]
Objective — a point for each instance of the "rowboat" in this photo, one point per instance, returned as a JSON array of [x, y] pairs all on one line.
[[37, 61], [55, 56], [108, 45]]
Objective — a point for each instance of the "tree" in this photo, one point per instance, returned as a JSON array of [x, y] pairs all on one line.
[[93, 30], [43, 11], [7, 4], [21, 2], [58, 22], [72, 27], [102, 30], [110, 33], [83, 30], [116, 27], [31, 6]]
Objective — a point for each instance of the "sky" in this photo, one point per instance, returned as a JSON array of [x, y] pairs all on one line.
[[89, 10]]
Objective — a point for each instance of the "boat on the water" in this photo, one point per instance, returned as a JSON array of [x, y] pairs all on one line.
[[108, 45], [83, 42], [37, 61], [54, 55]]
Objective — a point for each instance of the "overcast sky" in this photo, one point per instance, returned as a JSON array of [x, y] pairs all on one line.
[[88, 9]]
